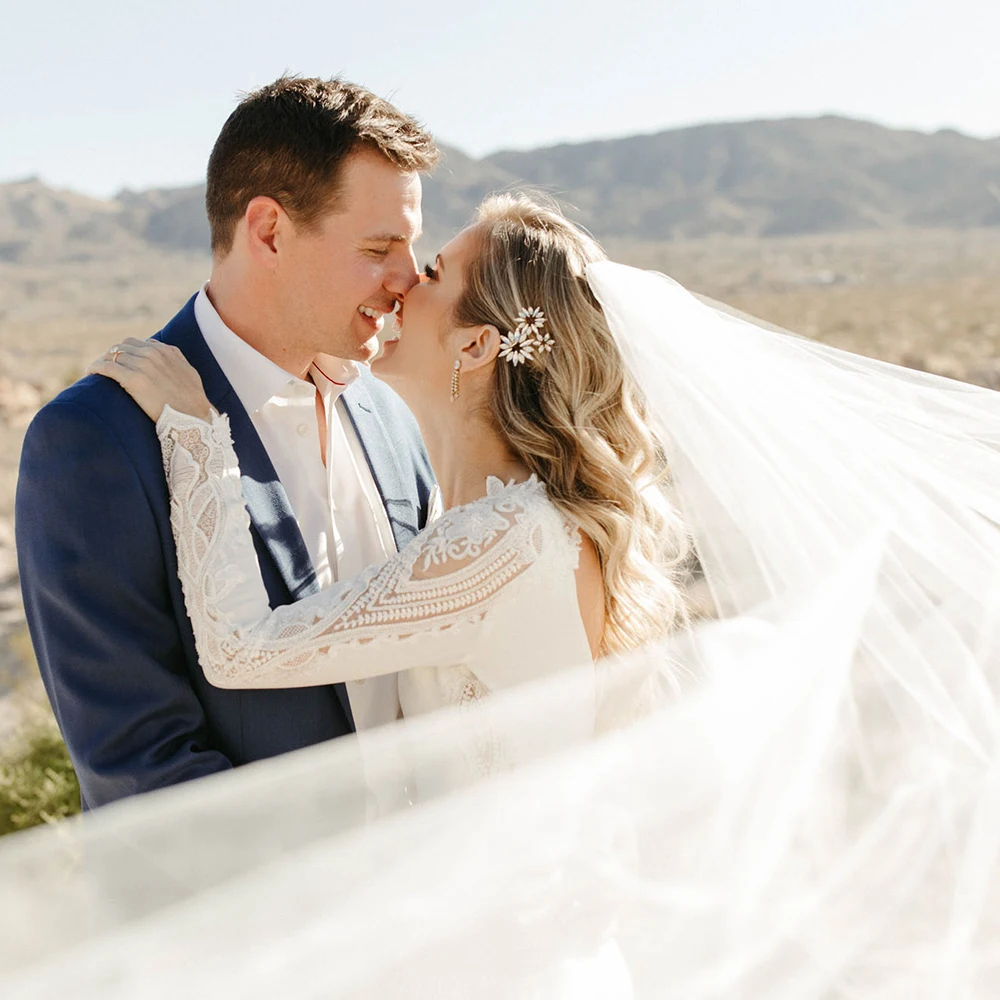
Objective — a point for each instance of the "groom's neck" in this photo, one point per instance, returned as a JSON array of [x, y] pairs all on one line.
[[255, 320]]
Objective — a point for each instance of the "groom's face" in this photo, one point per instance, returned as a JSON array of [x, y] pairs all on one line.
[[348, 274]]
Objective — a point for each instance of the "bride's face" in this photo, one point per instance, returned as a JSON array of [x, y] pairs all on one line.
[[418, 359]]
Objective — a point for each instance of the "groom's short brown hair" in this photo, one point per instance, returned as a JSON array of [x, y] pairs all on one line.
[[289, 140]]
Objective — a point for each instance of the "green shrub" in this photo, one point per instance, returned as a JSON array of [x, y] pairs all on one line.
[[37, 781]]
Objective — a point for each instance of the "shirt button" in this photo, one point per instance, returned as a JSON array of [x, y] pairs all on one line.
[[302, 430]]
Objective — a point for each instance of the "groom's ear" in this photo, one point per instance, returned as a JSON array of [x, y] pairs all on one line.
[[263, 218], [481, 348]]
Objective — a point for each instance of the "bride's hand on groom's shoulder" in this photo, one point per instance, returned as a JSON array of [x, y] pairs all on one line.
[[154, 375]]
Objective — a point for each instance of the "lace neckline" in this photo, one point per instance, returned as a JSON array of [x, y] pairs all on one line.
[[495, 486]]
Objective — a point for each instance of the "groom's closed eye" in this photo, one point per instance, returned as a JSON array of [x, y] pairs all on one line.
[[380, 244]]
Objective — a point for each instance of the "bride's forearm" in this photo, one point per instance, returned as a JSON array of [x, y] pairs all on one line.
[[242, 643]]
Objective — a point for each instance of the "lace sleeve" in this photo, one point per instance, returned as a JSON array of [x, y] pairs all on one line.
[[425, 606]]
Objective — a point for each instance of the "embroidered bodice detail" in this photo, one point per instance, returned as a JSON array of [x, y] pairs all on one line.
[[434, 604]]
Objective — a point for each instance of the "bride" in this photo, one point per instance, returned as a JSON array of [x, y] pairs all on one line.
[[557, 537]]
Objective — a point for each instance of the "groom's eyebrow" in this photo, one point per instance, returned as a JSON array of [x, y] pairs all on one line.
[[393, 237]]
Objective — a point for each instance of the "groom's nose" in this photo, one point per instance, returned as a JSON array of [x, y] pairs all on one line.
[[404, 275]]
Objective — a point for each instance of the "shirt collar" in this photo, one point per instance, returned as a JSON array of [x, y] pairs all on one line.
[[255, 378], [333, 375]]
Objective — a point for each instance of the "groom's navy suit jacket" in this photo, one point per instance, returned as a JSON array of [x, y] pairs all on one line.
[[103, 601]]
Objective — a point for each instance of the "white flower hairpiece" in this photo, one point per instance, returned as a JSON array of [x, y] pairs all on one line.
[[544, 342], [532, 318], [519, 345]]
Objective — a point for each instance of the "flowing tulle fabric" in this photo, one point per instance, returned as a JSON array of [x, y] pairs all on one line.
[[800, 800]]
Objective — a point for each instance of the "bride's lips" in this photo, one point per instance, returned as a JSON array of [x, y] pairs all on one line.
[[397, 327]]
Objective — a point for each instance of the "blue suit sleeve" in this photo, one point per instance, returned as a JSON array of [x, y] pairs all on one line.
[[101, 611]]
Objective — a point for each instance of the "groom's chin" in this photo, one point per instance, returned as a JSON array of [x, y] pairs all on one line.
[[366, 352], [371, 350]]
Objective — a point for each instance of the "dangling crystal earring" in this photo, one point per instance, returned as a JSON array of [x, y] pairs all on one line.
[[454, 380]]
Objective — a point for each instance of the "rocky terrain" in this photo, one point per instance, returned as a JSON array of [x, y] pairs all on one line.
[[883, 242]]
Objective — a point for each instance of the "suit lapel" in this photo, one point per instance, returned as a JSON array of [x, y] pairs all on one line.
[[401, 505], [266, 500]]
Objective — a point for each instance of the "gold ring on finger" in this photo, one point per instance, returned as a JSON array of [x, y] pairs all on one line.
[[115, 354]]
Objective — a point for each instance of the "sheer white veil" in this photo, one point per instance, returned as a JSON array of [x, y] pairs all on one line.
[[801, 800]]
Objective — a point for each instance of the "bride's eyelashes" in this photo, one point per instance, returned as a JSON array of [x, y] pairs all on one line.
[[430, 272]]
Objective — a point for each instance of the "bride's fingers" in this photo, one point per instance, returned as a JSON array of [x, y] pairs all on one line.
[[102, 367], [140, 348], [123, 361], [132, 354], [118, 354], [157, 356], [122, 370]]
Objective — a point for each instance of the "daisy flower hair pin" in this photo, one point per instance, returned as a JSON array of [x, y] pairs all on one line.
[[520, 345]]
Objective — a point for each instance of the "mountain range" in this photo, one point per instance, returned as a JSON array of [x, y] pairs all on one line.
[[753, 179]]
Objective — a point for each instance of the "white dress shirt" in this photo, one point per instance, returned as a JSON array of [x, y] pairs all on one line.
[[337, 505]]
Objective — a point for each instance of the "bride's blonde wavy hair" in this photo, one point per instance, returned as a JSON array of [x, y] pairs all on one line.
[[574, 416]]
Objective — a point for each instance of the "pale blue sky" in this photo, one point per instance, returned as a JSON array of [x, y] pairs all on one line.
[[101, 94]]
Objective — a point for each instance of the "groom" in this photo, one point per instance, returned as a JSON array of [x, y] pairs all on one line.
[[313, 201]]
